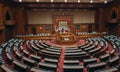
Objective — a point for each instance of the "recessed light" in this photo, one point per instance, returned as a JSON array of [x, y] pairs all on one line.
[[37, 0], [78, 1], [65, 1], [20, 0], [51, 0], [105, 1], [91, 1]]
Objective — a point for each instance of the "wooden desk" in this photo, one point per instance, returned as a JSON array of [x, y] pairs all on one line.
[[96, 66], [73, 68], [6, 68], [66, 38]]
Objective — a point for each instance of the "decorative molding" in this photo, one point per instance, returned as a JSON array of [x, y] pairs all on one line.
[[63, 16], [114, 21], [9, 22]]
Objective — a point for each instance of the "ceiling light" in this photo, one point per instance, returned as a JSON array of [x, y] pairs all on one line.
[[105, 1], [37, 0], [51, 0], [78, 1], [20, 0], [91, 1], [65, 1]]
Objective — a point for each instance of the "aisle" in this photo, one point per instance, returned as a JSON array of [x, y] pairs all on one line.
[[61, 60]]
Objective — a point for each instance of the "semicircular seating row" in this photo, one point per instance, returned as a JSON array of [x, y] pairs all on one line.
[[98, 54], [30, 35]]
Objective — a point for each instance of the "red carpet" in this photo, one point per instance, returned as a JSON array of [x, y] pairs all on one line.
[[61, 60], [62, 56], [109, 47]]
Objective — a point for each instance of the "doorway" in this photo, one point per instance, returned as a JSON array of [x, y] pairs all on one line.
[[113, 29]]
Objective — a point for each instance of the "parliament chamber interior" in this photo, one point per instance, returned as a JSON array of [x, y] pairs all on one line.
[[59, 36]]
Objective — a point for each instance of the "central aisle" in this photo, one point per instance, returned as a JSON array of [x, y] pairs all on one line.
[[61, 60]]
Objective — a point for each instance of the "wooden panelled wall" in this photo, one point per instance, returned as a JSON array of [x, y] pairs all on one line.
[[116, 26], [23, 27], [101, 20], [2, 29], [20, 20], [35, 29], [102, 16], [19, 14]]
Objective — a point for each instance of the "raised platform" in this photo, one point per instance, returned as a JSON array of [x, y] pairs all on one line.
[[60, 37], [66, 39]]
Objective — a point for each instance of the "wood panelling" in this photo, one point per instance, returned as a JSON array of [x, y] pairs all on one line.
[[102, 16], [84, 28], [39, 29], [119, 21], [9, 32], [113, 12], [115, 28], [2, 36], [42, 28], [20, 20], [118, 30], [2, 29], [45, 16], [10, 11], [1, 14]]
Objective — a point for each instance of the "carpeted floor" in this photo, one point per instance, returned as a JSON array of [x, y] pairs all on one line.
[[62, 56]]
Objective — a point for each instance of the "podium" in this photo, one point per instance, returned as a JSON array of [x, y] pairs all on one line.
[[66, 38]]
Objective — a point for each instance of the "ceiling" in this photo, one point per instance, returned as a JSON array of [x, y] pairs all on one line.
[[77, 1], [62, 4]]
